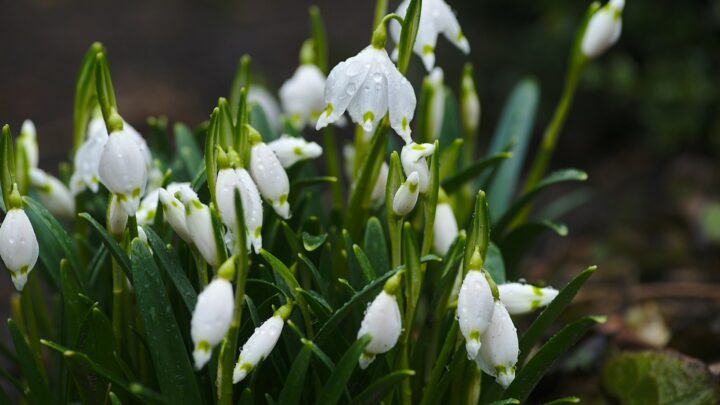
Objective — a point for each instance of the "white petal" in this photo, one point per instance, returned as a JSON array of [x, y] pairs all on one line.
[[54, 195], [394, 27], [382, 322], [270, 178], [28, 141], [199, 222], [258, 347], [261, 97], [380, 186], [475, 309], [211, 317], [225, 185], [116, 217], [252, 209], [406, 196], [412, 157], [445, 229], [174, 214], [19, 248], [291, 150], [401, 103], [499, 352], [447, 23], [123, 169], [524, 298], [370, 103], [148, 207], [602, 31], [302, 96]]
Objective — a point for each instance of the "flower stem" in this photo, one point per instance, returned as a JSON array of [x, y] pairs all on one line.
[[201, 267], [229, 344], [333, 166], [117, 302]]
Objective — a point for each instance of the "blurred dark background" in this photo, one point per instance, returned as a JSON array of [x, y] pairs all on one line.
[[645, 123]]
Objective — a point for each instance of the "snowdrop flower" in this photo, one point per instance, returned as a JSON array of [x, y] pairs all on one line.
[[499, 352], [291, 150], [265, 100], [469, 102], [270, 177], [603, 29], [475, 306], [524, 298], [406, 196], [437, 102], [116, 217], [28, 142], [174, 214], [435, 17], [379, 189], [261, 343], [87, 158], [19, 248], [413, 158], [54, 195], [302, 95], [368, 85], [445, 228], [148, 207], [228, 180], [198, 221], [123, 169], [382, 322], [211, 319]]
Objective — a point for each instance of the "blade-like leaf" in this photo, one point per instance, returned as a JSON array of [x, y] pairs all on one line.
[[117, 252], [85, 94], [298, 186], [362, 188], [336, 383], [409, 31], [169, 262], [30, 366], [319, 39], [494, 264], [376, 247], [380, 388], [187, 149], [456, 181], [294, 384], [7, 165], [519, 240]]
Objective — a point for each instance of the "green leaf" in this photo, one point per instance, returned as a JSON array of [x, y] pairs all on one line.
[[240, 81], [382, 387], [319, 39], [540, 363], [413, 274], [187, 149], [565, 400], [479, 233], [394, 223], [74, 308], [31, 368], [519, 240], [336, 383], [361, 190], [317, 303], [450, 128], [508, 401], [298, 186], [494, 264], [85, 94], [367, 270], [660, 378], [167, 259], [551, 313], [259, 121], [106, 93], [320, 282], [407, 35], [312, 242], [376, 247], [440, 367], [7, 165], [449, 157], [165, 344], [515, 127], [456, 181], [115, 250], [211, 139], [524, 200], [294, 384]]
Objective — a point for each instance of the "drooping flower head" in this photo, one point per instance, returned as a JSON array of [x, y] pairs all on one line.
[[475, 306], [123, 169], [522, 298], [198, 220], [19, 248], [500, 349], [382, 322], [302, 96], [407, 195], [228, 181], [211, 319], [269, 175], [445, 228], [603, 29], [174, 210], [291, 150], [28, 142], [54, 195], [413, 157], [435, 17]]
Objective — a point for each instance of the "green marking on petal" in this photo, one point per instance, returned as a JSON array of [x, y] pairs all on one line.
[[23, 270], [418, 146], [329, 109], [203, 345], [537, 291], [258, 232], [136, 192], [196, 204], [413, 187], [283, 199], [404, 124], [474, 335], [368, 116], [535, 304], [428, 49], [298, 151], [121, 197], [247, 367], [500, 370], [460, 36]]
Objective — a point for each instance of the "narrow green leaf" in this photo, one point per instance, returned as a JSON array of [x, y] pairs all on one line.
[[114, 400], [495, 264], [85, 94], [312, 242], [479, 234], [319, 39], [294, 384], [564, 400], [382, 387], [167, 259], [407, 35], [455, 182], [240, 81], [7, 164], [318, 305], [187, 149], [413, 274], [376, 247], [74, 308], [31, 367], [336, 383], [320, 282], [552, 312], [430, 201], [450, 130], [519, 240], [298, 186], [440, 367], [259, 120], [449, 157], [106, 93], [538, 365], [367, 270], [362, 188], [394, 223], [165, 343], [115, 250], [211, 139], [509, 401]]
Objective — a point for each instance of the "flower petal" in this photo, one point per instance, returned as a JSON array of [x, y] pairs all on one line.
[[343, 84]]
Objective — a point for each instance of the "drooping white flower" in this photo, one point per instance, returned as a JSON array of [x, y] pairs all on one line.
[[28, 142], [603, 29], [499, 352], [407, 195], [260, 344], [302, 95], [368, 85], [19, 248], [148, 207], [228, 180], [413, 157], [475, 309], [116, 217], [435, 17], [265, 100], [123, 169], [469, 102], [270, 178], [199, 224], [383, 323], [211, 319], [54, 195], [445, 228], [524, 298], [291, 150], [378, 191], [437, 101]]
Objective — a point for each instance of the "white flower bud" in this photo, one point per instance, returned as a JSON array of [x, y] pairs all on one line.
[[378, 192], [148, 207], [291, 150], [437, 101], [302, 96], [445, 228], [259, 346], [123, 169], [524, 298], [469, 102], [406, 196], [174, 209], [116, 217], [19, 248], [228, 180], [262, 98], [199, 223], [499, 352], [270, 178], [413, 158], [87, 158], [54, 195], [383, 323], [474, 309], [603, 29], [211, 319], [28, 142]]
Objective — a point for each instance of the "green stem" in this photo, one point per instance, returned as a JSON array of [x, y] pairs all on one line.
[[117, 302], [380, 11], [439, 367], [333, 166], [31, 328], [229, 344], [201, 267]]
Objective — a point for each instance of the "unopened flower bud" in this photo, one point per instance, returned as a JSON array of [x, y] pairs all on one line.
[[383, 323], [54, 195], [228, 181], [469, 102], [270, 178], [28, 142], [116, 218], [603, 29], [413, 158], [475, 309], [445, 228], [379, 189], [406, 196], [123, 169], [291, 150], [260, 344], [524, 298], [437, 101], [19, 248], [499, 352], [302, 96], [211, 319]]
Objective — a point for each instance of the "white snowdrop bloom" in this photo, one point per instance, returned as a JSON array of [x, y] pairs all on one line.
[[524, 298], [28, 142], [54, 195], [435, 17], [116, 217], [19, 248], [301, 95], [123, 169], [260, 344], [265, 100], [378, 191], [174, 212], [383, 323], [348, 152], [270, 178], [148, 208], [198, 221], [474, 308], [228, 180], [603, 29], [368, 85], [499, 352], [87, 158], [291, 150], [445, 228], [469, 102], [211, 319], [437, 101], [225, 184], [413, 158], [406, 196]]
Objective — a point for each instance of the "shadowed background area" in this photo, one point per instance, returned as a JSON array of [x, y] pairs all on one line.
[[645, 125]]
